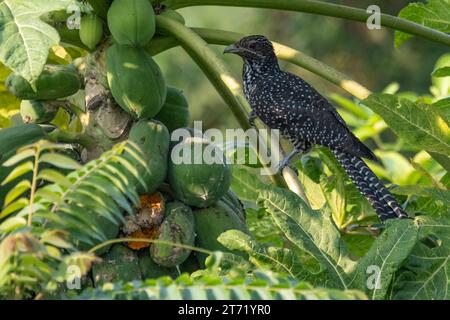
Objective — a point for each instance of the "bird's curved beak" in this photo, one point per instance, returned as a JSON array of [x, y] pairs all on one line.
[[232, 49]]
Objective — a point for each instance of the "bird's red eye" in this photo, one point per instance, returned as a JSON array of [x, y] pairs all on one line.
[[252, 45]]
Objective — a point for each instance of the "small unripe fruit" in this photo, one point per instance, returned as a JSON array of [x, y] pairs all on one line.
[[36, 111], [91, 31], [131, 22]]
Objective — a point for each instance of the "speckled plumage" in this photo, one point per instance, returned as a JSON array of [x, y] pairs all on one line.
[[286, 102]]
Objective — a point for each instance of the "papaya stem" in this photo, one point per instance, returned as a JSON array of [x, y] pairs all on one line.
[[283, 52], [71, 137], [325, 9]]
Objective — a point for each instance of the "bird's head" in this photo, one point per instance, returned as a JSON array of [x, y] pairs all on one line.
[[255, 48]]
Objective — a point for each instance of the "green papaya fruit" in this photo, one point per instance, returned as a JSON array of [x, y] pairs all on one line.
[[152, 137], [177, 227], [232, 201], [175, 111], [33, 111], [131, 22], [120, 264], [211, 222], [55, 81], [198, 173], [91, 30], [150, 269], [135, 81]]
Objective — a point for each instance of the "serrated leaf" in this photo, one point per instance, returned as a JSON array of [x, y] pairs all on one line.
[[245, 184], [441, 195], [433, 14], [277, 259], [425, 274], [376, 269], [419, 125], [311, 231], [25, 38]]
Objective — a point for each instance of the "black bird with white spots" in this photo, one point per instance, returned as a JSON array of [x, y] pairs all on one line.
[[286, 102]]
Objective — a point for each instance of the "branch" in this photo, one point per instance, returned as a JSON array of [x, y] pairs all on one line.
[[285, 53], [326, 9], [222, 80]]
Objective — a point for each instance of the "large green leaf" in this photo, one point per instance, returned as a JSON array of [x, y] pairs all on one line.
[[425, 274], [434, 14], [281, 260], [311, 231], [420, 125], [376, 269], [441, 195], [25, 39], [245, 184]]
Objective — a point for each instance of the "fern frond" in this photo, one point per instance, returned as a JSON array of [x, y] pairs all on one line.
[[262, 285]]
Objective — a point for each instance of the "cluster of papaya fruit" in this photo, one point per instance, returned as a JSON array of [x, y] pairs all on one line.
[[182, 205]]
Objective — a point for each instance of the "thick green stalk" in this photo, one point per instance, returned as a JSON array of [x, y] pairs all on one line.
[[326, 9], [223, 81]]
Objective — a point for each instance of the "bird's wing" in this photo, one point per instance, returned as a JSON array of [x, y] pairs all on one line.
[[313, 105]]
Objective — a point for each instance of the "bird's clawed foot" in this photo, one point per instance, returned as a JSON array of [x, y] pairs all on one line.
[[286, 162]]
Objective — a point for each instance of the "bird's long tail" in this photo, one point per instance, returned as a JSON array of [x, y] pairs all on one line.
[[370, 186]]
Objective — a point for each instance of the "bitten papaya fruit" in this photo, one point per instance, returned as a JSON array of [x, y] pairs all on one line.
[[198, 173], [135, 80], [131, 22], [119, 264], [55, 81], [175, 111], [91, 30], [177, 227], [152, 137]]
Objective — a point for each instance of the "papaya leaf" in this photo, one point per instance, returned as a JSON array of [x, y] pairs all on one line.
[[245, 184], [25, 39], [418, 124], [376, 269], [281, 260], [433, 14], [443, 106], [425, 273], [441, 72], [441, 195], [311, 231], [441, 85]]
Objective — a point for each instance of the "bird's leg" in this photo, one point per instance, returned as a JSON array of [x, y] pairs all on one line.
[[251, 118], [300, 147]]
